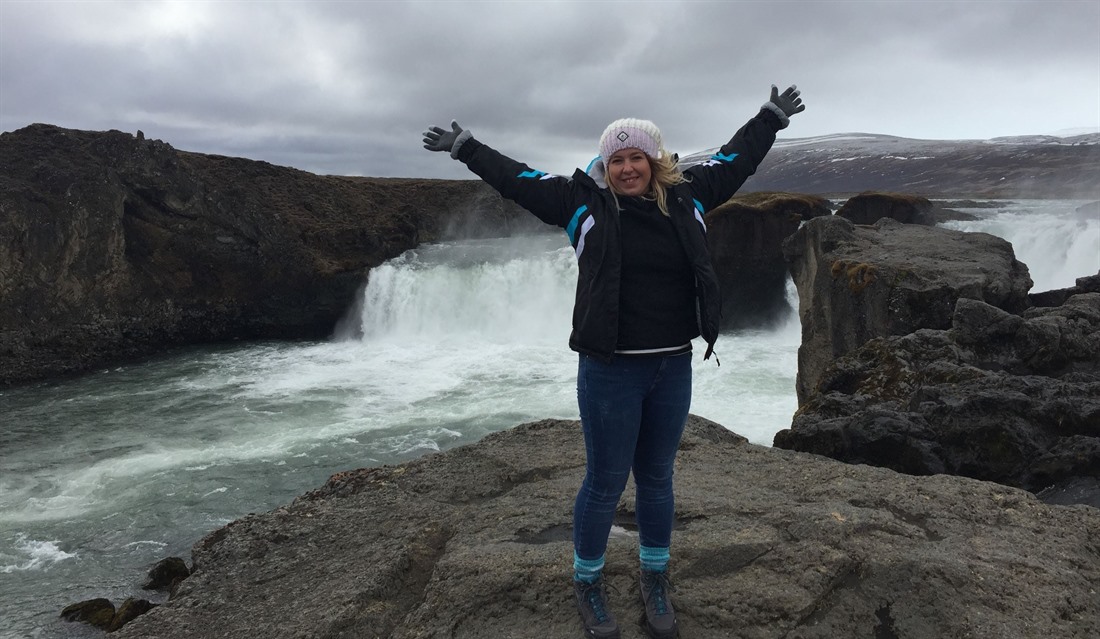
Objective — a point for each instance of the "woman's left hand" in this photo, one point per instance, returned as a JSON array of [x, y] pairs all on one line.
[[789, 102]]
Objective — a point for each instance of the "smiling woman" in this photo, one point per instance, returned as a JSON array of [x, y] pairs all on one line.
[[645, 289], [628, 172]]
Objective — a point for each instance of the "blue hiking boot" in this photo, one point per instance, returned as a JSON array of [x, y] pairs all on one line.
[[660, 618], [599, 623]]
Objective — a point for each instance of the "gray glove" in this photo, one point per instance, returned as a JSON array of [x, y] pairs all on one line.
[[438, 139], [789, 102], [785, 105]]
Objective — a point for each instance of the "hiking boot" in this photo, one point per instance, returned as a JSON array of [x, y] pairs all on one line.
[[599, 623], [660, 618]]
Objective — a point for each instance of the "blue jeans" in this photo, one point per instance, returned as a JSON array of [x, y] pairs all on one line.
[[633, 412]]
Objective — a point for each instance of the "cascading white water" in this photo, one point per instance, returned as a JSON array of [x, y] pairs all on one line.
[[518, 290], [1057, 244]]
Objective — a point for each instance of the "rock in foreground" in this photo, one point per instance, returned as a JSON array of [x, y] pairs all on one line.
[[1001, 397], [475, 543]]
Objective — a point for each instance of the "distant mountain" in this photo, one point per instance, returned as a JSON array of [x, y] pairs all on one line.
[[1077, 131], [1033, 166]]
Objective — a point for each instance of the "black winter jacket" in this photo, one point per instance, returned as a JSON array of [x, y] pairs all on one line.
[[590, 218]]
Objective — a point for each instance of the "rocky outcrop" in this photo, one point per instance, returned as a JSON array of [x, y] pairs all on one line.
[[950, 366], [98, 612], [862, 282], [476, 543], [745, 238], [1058, 296], [101, 613], [998, 396], [166, 574], [117, 246], [870, 207]]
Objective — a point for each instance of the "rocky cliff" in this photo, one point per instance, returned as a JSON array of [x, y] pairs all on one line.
[[923, 352], [116, 246], [745, 239], [856, 282], [1005, 397], [475, 543]]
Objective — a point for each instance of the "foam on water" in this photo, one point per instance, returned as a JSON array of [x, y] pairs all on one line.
[[752, 392], [32, 554], [1057, 245]]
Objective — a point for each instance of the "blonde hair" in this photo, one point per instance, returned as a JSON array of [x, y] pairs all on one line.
[[665, 173]]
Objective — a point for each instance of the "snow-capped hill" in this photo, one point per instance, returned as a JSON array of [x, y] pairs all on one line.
[[1025, 139], [1013, 166], [838, 138], [1085, 138], [1083, 130]]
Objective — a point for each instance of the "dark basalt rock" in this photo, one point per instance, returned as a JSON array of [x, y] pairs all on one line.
[[98, 612], [166, 574], [1004, 390], [1000, 397], [101, 612], [859, 282], [475, 543], [870, 207], [745, 237], [129, 610], [118, 247], [1057, 297]]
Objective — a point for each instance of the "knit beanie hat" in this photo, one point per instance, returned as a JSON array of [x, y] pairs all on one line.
[[631, 133]]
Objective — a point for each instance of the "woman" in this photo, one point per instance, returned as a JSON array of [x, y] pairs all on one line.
[[645, 289]]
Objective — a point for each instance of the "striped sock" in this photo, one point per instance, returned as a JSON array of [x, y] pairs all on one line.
[[587, 570], [653, 559]]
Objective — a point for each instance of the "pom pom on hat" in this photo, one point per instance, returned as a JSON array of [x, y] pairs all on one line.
[[631, 133]]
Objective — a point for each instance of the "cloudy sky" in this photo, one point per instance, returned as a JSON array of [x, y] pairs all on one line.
[[347, 87]]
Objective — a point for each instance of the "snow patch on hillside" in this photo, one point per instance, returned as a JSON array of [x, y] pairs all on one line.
[[840, 147]]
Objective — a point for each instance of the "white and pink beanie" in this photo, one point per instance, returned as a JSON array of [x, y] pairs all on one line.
[[631, 133]]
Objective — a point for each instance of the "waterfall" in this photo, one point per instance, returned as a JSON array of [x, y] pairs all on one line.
[[1057, 244], [491, 291]]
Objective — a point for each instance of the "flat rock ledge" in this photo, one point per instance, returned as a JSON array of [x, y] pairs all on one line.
[[475, 543]]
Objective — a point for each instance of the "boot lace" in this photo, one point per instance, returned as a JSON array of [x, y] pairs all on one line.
[[658, 592], [596, 598]]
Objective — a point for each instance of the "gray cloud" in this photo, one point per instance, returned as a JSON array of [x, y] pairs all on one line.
[[347, 87]]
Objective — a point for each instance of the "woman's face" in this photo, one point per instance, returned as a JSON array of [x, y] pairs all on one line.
[[628, 172]]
